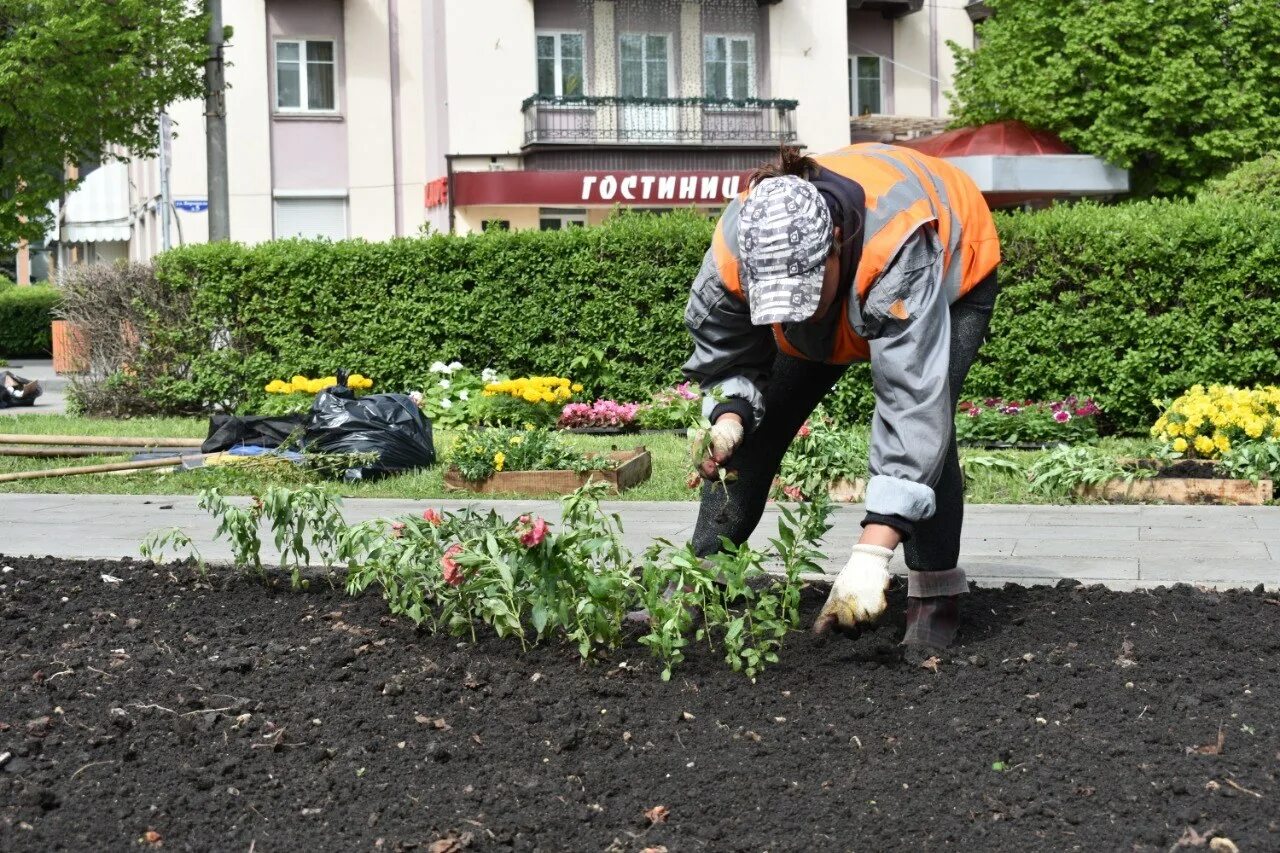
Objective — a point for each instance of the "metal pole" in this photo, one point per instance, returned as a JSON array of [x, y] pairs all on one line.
[[166, 241], [215, 116]]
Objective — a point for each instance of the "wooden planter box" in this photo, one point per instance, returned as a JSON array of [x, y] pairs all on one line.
[[632, 467], [69, 348], [848, 491], [1177, 490]]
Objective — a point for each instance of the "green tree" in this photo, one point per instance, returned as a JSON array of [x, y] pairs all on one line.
[[79, 78], [1175, 90]]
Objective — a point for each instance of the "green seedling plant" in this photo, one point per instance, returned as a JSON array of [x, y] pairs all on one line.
[[1252, 460], [159, 544], [299, 520], [1063, 468], [729, 595], [970, 465]]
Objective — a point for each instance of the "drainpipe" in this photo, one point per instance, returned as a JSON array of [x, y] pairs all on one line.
[[397, 189]]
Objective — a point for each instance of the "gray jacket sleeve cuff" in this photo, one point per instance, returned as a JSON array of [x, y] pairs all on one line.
[[738, 387], [895, 496]]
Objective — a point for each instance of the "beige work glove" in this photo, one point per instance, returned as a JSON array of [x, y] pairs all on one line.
[[858, 593], [717, 445]]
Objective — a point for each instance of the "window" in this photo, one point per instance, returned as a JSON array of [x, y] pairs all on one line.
[[312, 216], [560, 65], [866, 87], [553, 219], [643, 65], [728, 67], [306, 76]]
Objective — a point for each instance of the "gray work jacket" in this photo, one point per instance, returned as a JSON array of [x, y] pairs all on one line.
[[910, 360]]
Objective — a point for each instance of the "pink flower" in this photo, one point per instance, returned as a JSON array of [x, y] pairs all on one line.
[[683, 390], [432, 516], [974, 411], [793, 492], [532, 535], [804, 430], [452, 571], [397, 529], [1062, 416]]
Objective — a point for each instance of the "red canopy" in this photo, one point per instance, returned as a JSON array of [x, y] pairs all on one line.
[[1002, 137]]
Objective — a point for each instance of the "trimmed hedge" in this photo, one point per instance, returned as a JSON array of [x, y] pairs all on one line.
[[1127, 303], [25, 317]]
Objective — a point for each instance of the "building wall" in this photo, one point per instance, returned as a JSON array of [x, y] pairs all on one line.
[[871, 34], [492, 68], [469, 220], [809, 56], [371, 192], [308, 152], [248, 125]]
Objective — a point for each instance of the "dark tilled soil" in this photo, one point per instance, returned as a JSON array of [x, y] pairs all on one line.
[[1189, 469], [230, 716]]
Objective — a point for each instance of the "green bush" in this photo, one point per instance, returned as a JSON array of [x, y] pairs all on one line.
[[26, 314], [1257, 181], [1125, 303]]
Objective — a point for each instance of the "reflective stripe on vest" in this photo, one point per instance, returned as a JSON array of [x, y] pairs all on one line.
[[905, 190]]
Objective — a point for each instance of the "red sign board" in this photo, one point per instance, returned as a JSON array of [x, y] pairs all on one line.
[[576, 189], [437, 192]]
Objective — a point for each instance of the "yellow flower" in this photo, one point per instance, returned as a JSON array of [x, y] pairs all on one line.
[[532, 396], [276, 386], [577, 387], [499, 459], [1180, 445], [1204, 445], [516, 440], [1222, 443]]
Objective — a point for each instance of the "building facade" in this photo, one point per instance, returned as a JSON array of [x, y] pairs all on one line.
[[377, 118]]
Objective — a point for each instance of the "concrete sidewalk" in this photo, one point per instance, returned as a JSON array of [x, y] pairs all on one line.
[[1124, 547]]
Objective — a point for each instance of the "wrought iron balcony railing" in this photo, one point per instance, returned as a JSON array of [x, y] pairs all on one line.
[[605, 120]]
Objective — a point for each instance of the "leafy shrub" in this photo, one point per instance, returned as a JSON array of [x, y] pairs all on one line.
[[1124, 303], [26, 317], [1256, 181]]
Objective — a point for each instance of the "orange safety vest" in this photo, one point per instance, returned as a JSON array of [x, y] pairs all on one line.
[[904, 191]]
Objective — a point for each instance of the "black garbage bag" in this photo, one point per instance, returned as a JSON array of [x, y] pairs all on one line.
[[387, 424], [228, 431]]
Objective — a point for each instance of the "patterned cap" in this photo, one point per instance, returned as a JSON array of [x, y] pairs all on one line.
[[784, 237]]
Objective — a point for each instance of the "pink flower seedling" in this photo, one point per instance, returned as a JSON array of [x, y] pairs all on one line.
[[804, 430], [533, 531], [432, 516], [397, 529], [452, 571], [1062, 416]]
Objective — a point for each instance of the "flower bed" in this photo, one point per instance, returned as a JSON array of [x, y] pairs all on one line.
[[602, 416], [295, 395], [824, 459], [995, 422], [179, 695], [537, 461]]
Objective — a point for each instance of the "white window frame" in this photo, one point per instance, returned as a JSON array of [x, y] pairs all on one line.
[[576, 217], [644, 61], [854, 106], [751, 61], [559, 60], [302, 108]]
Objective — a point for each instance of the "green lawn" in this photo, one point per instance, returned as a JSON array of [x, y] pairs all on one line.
[[670, 461]]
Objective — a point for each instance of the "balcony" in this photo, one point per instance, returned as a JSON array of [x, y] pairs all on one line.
[[891, 9], [608, 120]]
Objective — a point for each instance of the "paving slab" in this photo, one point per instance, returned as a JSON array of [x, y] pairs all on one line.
[[1122, 547]]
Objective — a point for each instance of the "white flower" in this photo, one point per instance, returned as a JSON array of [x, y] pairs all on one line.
[[464, 395], [444, 383], [455, 365], [439, 367], [488, 374], [446, 403]]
